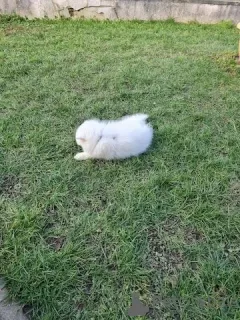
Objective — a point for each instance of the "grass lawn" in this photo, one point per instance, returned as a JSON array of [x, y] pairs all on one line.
[[78, 238]]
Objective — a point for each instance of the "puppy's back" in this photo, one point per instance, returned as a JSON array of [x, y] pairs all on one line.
[[139, 117]]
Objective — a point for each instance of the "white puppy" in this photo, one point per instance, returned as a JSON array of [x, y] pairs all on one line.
[[118, 139]]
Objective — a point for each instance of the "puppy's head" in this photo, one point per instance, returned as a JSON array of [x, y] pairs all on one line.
[[87, 135]]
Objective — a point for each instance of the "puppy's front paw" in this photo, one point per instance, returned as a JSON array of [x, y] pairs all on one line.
[[81, 156]]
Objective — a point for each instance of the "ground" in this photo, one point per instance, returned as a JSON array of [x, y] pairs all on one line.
[[79, 238]]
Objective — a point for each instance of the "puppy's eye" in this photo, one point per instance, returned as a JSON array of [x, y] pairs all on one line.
[[82, 140]]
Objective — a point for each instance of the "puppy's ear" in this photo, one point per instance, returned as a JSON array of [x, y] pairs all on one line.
[[82, 140]]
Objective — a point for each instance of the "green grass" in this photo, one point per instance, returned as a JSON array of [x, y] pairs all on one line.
[[77, 238]]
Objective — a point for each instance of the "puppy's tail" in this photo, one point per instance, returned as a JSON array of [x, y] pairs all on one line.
[[141, 117]]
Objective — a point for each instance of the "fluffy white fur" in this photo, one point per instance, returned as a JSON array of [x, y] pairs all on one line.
[[118, 139]]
